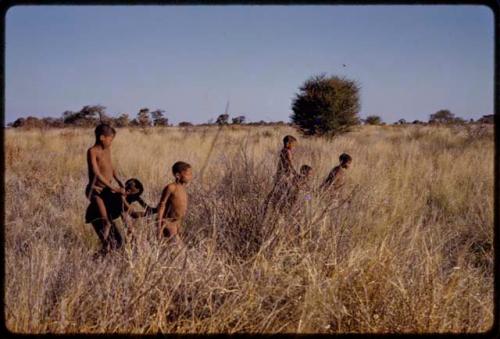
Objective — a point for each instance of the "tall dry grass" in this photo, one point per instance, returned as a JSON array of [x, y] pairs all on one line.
[[411, 251]]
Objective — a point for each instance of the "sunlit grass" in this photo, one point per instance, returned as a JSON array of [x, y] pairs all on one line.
[[410, 252]]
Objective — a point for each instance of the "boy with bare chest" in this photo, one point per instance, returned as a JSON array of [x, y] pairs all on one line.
[[173, 203], [100, 190]]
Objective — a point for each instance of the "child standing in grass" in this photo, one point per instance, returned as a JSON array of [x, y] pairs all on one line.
[[285, 170], [284, 175], [99, 190], [173, 203], [336, 178]]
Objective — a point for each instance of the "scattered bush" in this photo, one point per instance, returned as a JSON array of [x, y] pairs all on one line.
[[326, 105]]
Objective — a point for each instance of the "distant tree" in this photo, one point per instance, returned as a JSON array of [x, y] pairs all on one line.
[[239, 120], [401, 122], [96, 112], [29, 122], [159, 118], [89, 115], [417, 122], [373, 120], [185, 124], [20, 122], [122, 120], [50, 122], [443, 116], [487, 119], [326, 105], [222, 119], [143, 119]]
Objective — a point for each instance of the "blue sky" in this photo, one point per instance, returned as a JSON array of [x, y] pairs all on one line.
[[189, 60]]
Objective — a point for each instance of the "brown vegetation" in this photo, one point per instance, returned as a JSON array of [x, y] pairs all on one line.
[[411, 250]]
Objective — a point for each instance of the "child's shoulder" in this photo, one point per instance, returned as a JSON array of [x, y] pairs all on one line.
[[337, 169], [94, 148], [171, 187]]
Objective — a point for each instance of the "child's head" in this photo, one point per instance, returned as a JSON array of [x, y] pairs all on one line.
[[182, 172], [134, 189], [289, 141], [104, 134], [305, 170], [345, 160]]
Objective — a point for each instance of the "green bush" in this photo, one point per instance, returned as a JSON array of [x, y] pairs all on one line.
[[326, 105]]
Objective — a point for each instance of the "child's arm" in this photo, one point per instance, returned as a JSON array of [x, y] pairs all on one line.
[[147, 209], [130, 211], [167, 191], [92, 158]]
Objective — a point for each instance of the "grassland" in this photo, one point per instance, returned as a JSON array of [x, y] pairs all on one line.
[[412, 251]]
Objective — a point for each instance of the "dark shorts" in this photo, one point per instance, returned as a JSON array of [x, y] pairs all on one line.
[[112, 201]]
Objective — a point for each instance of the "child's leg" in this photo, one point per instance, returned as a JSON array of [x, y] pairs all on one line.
[[115, 238], [171, 230], [98, 227], [104, 220]]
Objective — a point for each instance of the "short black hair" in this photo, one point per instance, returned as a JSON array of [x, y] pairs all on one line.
[[344, 157], [180, 166], [288, 139], [305, 169], [134, 184], [104, 129]]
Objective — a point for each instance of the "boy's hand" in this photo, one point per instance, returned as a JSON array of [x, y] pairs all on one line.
[[120, 190]]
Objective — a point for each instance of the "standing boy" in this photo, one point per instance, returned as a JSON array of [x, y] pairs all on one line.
[[284, 175], [173, 203], [100, 191]]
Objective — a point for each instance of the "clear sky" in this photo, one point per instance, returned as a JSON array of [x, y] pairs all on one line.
[[189, 60]]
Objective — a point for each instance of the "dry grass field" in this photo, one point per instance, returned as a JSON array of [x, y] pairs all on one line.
[[411, 250]]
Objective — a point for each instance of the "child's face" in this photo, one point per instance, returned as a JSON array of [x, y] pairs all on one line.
[[306, 173], [131, 189], [347, 164], [185, 176], [291, 145], [106, 140]]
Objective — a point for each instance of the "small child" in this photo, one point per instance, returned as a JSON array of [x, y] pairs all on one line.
[[119, 206], [99, 189], [336, 178], [173, 203], [300, 185], [134, 189]]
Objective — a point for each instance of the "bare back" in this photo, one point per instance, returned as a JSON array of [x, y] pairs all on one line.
[[335, 178], [102, 158]]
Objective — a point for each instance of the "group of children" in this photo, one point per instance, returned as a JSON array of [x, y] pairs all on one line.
[[289, 184], [109, 202]]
